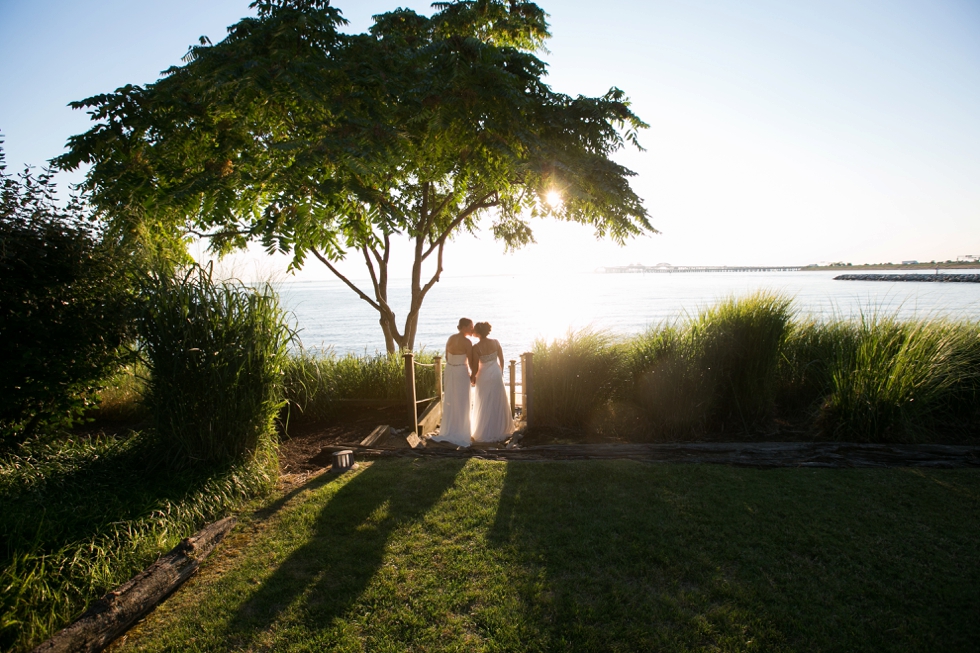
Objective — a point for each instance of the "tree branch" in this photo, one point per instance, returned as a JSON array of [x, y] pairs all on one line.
[[347, 281], [465, 213], [370, 267], [435, 277], [442, 204], [227, 232]]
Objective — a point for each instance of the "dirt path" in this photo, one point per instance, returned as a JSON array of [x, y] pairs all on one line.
[[756, 454]]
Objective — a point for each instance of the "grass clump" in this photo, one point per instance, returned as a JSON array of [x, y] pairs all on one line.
[[80, 516], [217, 355], [575, 377], [905, 380], [318, 386]]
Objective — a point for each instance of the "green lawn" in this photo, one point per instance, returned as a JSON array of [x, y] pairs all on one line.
[[452, 555]]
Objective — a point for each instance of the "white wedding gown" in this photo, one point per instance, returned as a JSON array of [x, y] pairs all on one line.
[[491, 410], [455, 426]]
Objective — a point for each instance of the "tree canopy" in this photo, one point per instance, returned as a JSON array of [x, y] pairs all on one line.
[[315, 142]]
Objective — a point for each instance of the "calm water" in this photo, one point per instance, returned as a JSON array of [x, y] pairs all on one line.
[[522, 309]]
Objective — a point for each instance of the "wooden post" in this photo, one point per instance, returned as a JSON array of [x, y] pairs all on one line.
[[413, 407], [513, 388], [437, 367], [527, 381]]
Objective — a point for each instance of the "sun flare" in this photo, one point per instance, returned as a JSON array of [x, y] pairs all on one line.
[[553, 198]]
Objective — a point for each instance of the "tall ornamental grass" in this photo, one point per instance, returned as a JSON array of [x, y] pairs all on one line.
[[749, 367], [575, 377], [904, 380], [217, 355], [319, 385]]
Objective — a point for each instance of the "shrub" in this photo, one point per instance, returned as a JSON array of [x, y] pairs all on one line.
[[217, 355], [64, 300]]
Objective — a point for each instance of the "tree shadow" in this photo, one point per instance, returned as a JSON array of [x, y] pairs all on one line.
[[346, 547]]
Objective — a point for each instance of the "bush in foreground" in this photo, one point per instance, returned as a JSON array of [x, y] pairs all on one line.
[[64, 307]]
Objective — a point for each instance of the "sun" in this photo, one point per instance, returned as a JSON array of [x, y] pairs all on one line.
[[553, 198]]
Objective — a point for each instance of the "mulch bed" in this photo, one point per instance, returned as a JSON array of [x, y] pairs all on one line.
[[308, 449]]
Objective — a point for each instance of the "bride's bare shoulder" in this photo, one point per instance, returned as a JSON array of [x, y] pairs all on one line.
[[458, 344]]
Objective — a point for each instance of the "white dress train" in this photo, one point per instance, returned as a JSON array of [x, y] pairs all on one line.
[[455, 426], [491, 409]]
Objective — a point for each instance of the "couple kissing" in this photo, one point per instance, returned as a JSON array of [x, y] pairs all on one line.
[[475, 406]]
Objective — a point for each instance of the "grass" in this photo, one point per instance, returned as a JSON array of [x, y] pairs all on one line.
[[406, 555], [318, 384], [750, 368], [80, 516], [121, 400]]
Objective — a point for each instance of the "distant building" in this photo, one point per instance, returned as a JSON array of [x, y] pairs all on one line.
[[910, 262]]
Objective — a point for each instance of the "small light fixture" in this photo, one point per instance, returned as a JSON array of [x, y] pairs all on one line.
[[343, 461]]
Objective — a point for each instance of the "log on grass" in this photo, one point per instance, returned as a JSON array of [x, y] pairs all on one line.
[[117, 611]]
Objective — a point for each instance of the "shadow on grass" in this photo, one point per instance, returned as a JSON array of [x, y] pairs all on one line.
[[85, 490], [344, 546], [634, 557]]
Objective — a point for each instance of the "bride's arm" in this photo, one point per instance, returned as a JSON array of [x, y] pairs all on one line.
[[474, 361], [500, 354]]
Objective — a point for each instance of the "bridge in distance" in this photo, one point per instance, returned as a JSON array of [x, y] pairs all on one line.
[[664, 268]]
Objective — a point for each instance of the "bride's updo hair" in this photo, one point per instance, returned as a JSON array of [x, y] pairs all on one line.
[[482, 329]]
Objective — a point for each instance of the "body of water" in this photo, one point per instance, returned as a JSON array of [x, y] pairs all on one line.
[[524, 308]]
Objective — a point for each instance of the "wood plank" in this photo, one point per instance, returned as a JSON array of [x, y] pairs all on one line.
[[431, 418], [376, 437]]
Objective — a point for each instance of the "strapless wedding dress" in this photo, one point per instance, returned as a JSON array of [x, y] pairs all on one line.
[[455, 426], [491, 409]]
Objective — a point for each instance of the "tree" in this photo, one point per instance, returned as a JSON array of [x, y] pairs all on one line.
[[64, 301], [319, 143]]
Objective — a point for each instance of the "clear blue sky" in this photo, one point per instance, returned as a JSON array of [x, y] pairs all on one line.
[[781, 131]]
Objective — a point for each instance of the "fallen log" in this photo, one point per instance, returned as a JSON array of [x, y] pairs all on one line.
[[117, 611]]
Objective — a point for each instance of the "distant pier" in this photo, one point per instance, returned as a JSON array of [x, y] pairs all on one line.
[[677, 269]]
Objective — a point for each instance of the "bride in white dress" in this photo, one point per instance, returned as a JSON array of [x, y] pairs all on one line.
[[455, 426], [491, 411]]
